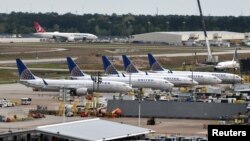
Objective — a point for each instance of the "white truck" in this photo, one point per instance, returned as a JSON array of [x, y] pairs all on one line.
[[6, 103], [25, 101]]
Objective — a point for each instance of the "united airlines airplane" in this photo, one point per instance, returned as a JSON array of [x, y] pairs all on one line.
[[201, 79], [176, 80], [226, 78], [229, 64], [136, 82], [77, 87], [70, 37]]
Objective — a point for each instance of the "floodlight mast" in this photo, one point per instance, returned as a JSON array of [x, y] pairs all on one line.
[[209, 57]]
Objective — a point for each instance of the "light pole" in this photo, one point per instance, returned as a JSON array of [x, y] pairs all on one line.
[[193, 89], [149, 23], [139, 108], [128, 28], [99, 80], [64, 97], [234, 78], [183, 24], [167, 22], [130, 79], [94, 80], [110, 28]]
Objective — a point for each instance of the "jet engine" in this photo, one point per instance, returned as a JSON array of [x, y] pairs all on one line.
[[71, 39], [81, 91]]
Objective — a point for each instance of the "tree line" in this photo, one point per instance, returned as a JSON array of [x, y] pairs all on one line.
[[118, 25]]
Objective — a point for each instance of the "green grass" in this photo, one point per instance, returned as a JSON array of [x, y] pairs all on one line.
[[51, 65], [87, 60], [8, 76]]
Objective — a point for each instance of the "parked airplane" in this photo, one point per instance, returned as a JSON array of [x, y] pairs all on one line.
[[77, 87], [177, 81], [136, 82], [70, 37], [226, 78], [201, 79], [229, 64]]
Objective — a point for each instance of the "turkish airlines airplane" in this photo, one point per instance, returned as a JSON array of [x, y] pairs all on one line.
[[76, 87], [229, 64], [136, 82], [70, 37]]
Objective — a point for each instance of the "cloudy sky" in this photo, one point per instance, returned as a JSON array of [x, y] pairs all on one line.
[[164, 7]]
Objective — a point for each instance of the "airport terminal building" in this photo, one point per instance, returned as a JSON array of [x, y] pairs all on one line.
[[188, 37]]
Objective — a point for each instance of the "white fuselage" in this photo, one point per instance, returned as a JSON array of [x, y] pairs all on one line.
[[56, 85], [137, 82], [201, 79], [67, 36], [226, 78], [197, 79], [227, 65], [178, 81]]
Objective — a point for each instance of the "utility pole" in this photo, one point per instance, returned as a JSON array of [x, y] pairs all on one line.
[[99, 80], [94, 81], [130, 79], [64, 97], [139, 110]]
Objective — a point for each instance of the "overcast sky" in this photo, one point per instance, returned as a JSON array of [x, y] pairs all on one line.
[[165, 7]]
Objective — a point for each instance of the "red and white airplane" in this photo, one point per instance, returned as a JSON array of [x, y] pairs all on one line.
[[70, 37]]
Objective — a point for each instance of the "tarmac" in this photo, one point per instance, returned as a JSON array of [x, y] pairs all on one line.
[[15, 92]]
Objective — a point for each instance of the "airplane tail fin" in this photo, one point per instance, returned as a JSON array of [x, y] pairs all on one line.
[[154, 65], [23, 71], [235, 58], [74, 70], [128, 65], [108, 67], [38, 28]]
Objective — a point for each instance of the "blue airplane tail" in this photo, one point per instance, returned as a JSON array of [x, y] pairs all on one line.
[[23, 71], [74, 70], [154, 65], [108, 67], [128, 65]]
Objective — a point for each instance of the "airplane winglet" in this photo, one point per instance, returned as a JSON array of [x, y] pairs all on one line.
[[45, 83], [123, 75]]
